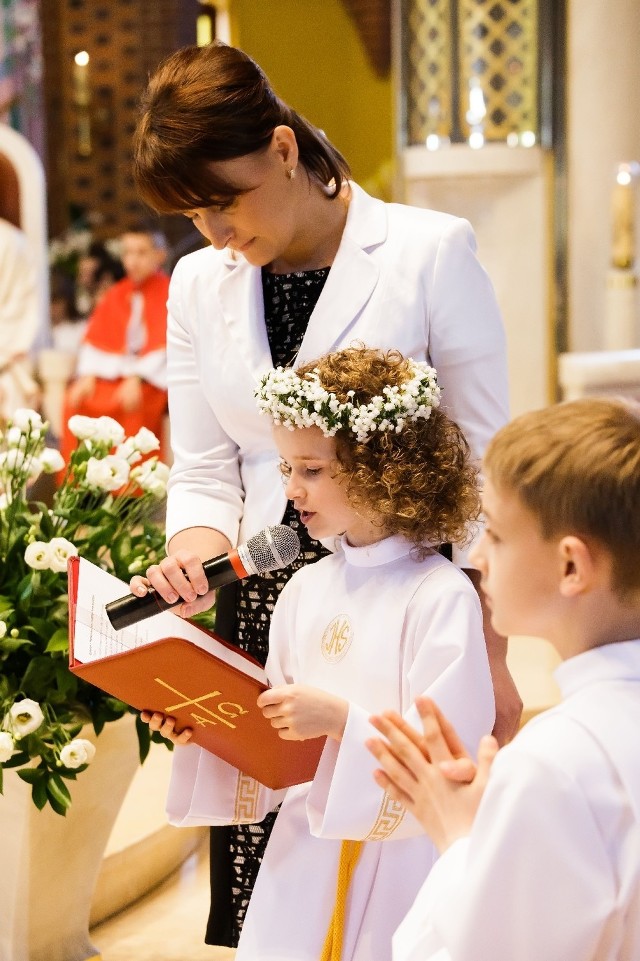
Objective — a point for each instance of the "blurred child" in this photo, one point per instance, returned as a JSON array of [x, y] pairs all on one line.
[[548, 869], [98, 270], [121, 367], [368, 459]]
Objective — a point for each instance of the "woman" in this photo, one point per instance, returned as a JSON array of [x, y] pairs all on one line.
[[303, 262]]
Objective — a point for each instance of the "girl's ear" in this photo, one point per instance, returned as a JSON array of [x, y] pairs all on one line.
[[577, 566], [284, 143]]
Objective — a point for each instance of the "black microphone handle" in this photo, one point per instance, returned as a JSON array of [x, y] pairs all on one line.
[[131, 609]]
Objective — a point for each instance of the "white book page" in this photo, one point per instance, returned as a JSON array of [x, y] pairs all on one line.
[[95, 637]]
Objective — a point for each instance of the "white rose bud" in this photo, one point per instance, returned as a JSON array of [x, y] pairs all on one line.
[[82, 427], [52, 460], [60, 550], [77, 753], [146, 441], [108, 431], [7, 748], [27, 420], [108, 473], [129, 451], [24, 717], [38, 556]]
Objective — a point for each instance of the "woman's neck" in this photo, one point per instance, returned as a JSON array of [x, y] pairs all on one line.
[[322, 225]]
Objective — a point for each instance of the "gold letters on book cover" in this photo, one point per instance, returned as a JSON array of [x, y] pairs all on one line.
[[227, 708]]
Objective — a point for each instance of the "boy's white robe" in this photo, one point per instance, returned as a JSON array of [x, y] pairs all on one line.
[[551, 871], [377, 628]]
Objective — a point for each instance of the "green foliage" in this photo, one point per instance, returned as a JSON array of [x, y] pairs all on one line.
[[104, 511]]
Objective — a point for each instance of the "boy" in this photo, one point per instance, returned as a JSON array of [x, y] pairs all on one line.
[[549, 867], [121, 369]]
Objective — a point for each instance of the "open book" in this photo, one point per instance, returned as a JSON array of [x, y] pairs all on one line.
[[168, 664]]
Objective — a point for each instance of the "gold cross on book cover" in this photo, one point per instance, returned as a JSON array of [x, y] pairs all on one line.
[[169, 664]]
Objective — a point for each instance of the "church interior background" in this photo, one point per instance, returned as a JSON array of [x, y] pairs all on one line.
[[519, 115]]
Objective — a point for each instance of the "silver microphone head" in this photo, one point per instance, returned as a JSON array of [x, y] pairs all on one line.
[[271, 549]]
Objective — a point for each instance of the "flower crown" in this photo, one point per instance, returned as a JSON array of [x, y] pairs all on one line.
[[295, 401]]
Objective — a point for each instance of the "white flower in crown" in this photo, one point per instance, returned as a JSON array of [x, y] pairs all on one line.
[[303, 402]]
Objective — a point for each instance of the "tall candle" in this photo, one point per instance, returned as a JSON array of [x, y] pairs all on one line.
[[81, 79], [622, 202]]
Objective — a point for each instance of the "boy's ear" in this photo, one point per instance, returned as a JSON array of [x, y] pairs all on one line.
[[578, 566]]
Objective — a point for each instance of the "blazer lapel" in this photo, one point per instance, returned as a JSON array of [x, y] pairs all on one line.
[[352, 278], [242, 305], [350, 284]]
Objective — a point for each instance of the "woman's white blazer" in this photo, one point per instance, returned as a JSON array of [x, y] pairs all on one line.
[[403, 277]]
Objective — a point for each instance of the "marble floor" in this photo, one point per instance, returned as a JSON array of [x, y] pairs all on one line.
[[167, 924]]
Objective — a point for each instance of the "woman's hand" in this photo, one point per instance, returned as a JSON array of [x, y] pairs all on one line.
[[165, 725], [424, 772], [299, 712], [178, 576]]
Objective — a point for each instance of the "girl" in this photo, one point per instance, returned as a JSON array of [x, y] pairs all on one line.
[[369, 459]]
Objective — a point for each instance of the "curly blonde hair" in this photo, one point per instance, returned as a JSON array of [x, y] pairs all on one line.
[[420, 482]]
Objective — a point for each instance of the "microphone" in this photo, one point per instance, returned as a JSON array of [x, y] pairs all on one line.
[[271, 549]]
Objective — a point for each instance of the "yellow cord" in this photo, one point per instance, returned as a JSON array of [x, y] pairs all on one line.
[[349, 854]]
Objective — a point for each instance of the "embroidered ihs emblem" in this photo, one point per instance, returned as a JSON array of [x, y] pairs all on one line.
[[337, 638]]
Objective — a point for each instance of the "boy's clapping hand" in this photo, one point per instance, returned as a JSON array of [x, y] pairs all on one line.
[[431, 774]]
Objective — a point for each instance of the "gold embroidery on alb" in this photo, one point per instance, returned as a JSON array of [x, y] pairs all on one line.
[[246, 806], [389, 817], [337, 638]]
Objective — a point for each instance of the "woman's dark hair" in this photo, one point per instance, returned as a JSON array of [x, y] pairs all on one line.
[[213, 103]]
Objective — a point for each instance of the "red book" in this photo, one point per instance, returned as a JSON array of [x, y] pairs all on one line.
[[176, 667]]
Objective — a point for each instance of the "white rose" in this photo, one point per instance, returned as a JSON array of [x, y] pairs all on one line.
[[77, 753], [108, 431], [3, 628], [7, 747], [38, 556], [14, 437], [107, 473], [82, 427], [129, 451], [152, 477], [52, 460], [24, 717], [146, 441], [13, 459], [61, 549], [27, 420]]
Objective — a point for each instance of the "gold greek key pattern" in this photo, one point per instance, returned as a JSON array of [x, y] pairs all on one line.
[[498, 44], [428, 66], [246, 806], [390, 815]]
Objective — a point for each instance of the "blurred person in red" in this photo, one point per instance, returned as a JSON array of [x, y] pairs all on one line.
[[121, 369]]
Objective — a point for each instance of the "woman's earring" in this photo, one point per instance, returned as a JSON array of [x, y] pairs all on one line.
[[291, 173]]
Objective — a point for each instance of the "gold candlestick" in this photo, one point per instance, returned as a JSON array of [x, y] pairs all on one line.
[[622, 202], [621, 329]]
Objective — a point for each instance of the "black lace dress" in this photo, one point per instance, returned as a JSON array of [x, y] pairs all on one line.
[[243, 614]]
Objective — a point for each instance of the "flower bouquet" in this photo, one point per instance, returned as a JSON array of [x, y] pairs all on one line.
[[103, 509]]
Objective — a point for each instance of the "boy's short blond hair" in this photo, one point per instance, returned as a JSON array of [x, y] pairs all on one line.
[[576, 467]]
